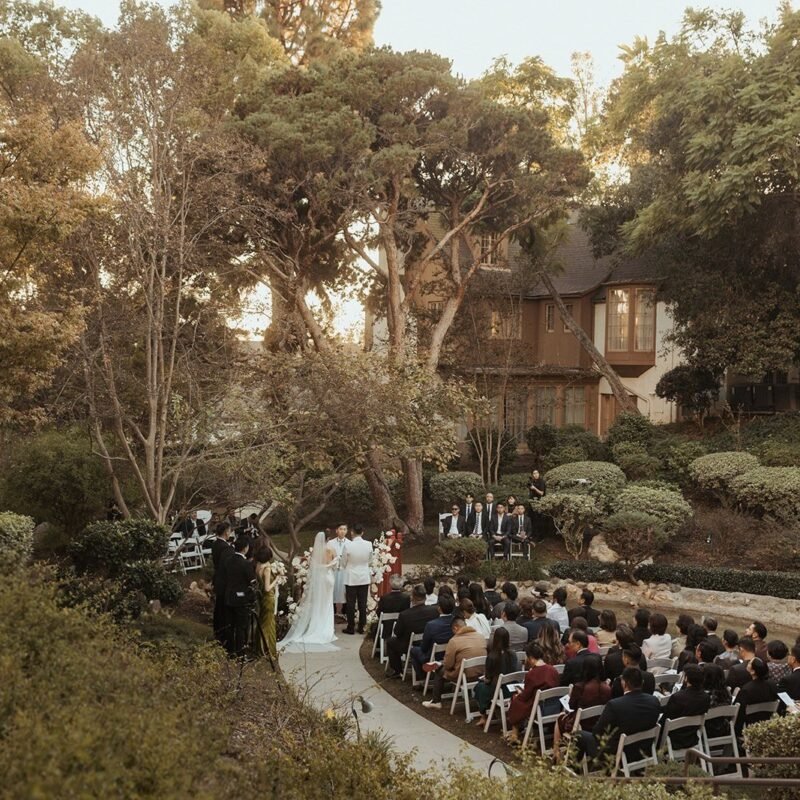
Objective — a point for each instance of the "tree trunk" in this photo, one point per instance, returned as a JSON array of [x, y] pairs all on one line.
[[415, 513], [384, 504], [598, 359]]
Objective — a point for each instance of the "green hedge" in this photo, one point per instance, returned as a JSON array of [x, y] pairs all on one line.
[[450, 487], [600, 479], [669, 507], [16, 540], [718, 579], [777, 737], [715, 471], [769, 491], [515, 570]]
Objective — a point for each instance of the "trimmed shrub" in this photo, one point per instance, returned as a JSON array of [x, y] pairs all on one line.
[[778, 737], [714, 472], [572, 514], [677, 458], [635, 461], [600, 479], [769, 492], [489, 437], [629, 427], [552, 446], [541, 439], [449, 487], [565, 454], [692, 388], [16, 540], [657, 483], [588, 442], [634, 536], [456, 555], [780, 454], [586, 571], [106, 547], [668, 507], [515, 483], [518, 569]]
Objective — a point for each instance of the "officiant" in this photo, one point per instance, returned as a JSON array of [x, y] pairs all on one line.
[[338, 547]]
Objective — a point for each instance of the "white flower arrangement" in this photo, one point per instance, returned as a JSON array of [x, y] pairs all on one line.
[[279, 573], [380, 563], [300, 567]]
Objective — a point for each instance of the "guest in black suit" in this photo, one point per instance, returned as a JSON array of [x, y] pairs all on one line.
[[634, 712], [490, 507], [586, 611], [690, 701], [499, 524], [641, 628], [469, 505], [477, 523], [632, 657], [412, 620], [520, 531], [760, 689], [577, 649], [239, 593], [490, 593], [454, 525], [221, 550], [738, 675], [791, 684], [710, 624], [393, 602], [438, 631]]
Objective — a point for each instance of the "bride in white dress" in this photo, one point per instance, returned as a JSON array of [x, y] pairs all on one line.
[[313, 630]]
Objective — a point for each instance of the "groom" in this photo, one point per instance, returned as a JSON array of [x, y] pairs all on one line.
[[357, 579]]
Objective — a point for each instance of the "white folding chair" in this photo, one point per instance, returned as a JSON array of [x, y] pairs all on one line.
[[465, 685], [582, 715], [560, 668], [499, 701], [681, 723], [516, 550], [626, 740], [668, 682], [380, 642], [659, 664], [540, 719], [759, 712], [717, 745], [415, 639], [442, 518], [603, 651], [436, 652], [191, 557]]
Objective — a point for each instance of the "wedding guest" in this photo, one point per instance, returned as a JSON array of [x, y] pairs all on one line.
[[705, 653], [474, 619], [539, 676], [454, 526], [536, 486], [221, 549], [776, 660], [558, 610], [606, 635], [477, 524], [585, 610], [540, 619], [730, 655], [552, 649], [469, 505], [267, 588], [498, 531], [738, 675], [500, 660], [490, 507], [659, 643], [719, 695], [392, 603], [689, 701], [695, 635], [239, 595], [509, 594], [641, 625], [631, 657], [490, 593], [710, 624], [438, 631], [614, 664], [520, 531], [759, 689], [412, 620], [757, 631], [576, 651], [431, 598], [679, 642], [791, 683], [517, 635], [478, 598], [579, 624]]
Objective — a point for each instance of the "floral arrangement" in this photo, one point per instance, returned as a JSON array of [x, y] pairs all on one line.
[[279, 574], [380, 563], [300, 567]]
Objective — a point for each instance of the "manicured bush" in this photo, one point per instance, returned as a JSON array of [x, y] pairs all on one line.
[[588, 442], [634, 536], [564, 454], [675, 460], [780, 454], [714, 472], [635, 461], [572, 514], [515, 483], [769, 492], [668, 507], [552, 446], [541, 439], [629, 427], [658, 483], [450, 487], [778, 737], [16, 540], [105, 547], [456, 555], [600, 479], [586, 571], [488, 439], [691, 388]]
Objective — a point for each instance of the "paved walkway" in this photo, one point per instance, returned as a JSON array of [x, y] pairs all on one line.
[[332, 680]]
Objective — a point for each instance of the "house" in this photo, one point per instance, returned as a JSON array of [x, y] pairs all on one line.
[[510, 338]]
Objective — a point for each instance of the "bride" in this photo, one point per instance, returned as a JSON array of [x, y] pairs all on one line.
[[313, 629]]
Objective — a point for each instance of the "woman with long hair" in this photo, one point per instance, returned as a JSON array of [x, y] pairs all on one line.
[[550, 642], [500, 660], [607, 634], [479, 600], [266, 590], [476, 621]]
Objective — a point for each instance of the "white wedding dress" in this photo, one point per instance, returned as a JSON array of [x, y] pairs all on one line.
[[313, 630]]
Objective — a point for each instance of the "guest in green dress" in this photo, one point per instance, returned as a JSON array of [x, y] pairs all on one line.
[[267, 586]]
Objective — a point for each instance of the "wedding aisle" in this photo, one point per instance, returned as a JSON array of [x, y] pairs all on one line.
[[332, 680]]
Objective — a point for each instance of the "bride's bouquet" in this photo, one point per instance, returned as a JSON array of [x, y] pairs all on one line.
[[279, 573]]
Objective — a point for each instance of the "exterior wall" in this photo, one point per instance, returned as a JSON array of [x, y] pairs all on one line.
[[560, 347], [644, 386]]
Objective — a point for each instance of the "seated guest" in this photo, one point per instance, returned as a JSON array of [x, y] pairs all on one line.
[[576, 651], [500, 660], [719, 695], [431, 598], [710, 624], [479, 600], [508, 593], [585, 610], [393, 602], [695, 635], [539, 619], [613, 661], [477, 523], [738, 675], [475, 620], [705, 653], [689, 701], [412, 620], [760, 689], [641, 625], [776, 660], [552, 649], [498, 531], [525, 612], [659, 643], [520, 531], [490, 593], [446, 589], [518, 636], [579, 623], [454, 525], [464, 643], [631, 713], [791, 683], [679, 642], [558, 610], [757, 631], [606, 635], [631, 657], [438, 631], [538, 676], [730, 653], [462, 594], [590, 690]]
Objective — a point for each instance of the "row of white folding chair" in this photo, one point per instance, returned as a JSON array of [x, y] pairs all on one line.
[[522, 657], [380, 642], [540, 719], [416, 638], [465, 685], [436, 654], [500, 702], [661, 664]]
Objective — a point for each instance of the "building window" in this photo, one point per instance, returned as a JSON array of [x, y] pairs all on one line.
[[568, 306], [516, 415], [618, 319], [507, 324], [489, 250], [575, 405], [544, 402], [435, 307], [645, 320], [550, 318]]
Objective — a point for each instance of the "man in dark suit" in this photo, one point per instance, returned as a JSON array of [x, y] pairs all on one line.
[[490, 507], [577, 649], [538, 617], [477, 523], [791, 683], [738, 674], [469, 505], [498, 530], [634, 712], [454, 525], [221, 550], [393, 602], [412, 620], [520, 531], [710, 624], [490, 592], [239, 593], [615, 660], [438, 631], [632, 657], [586, 611], [690, 701]]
